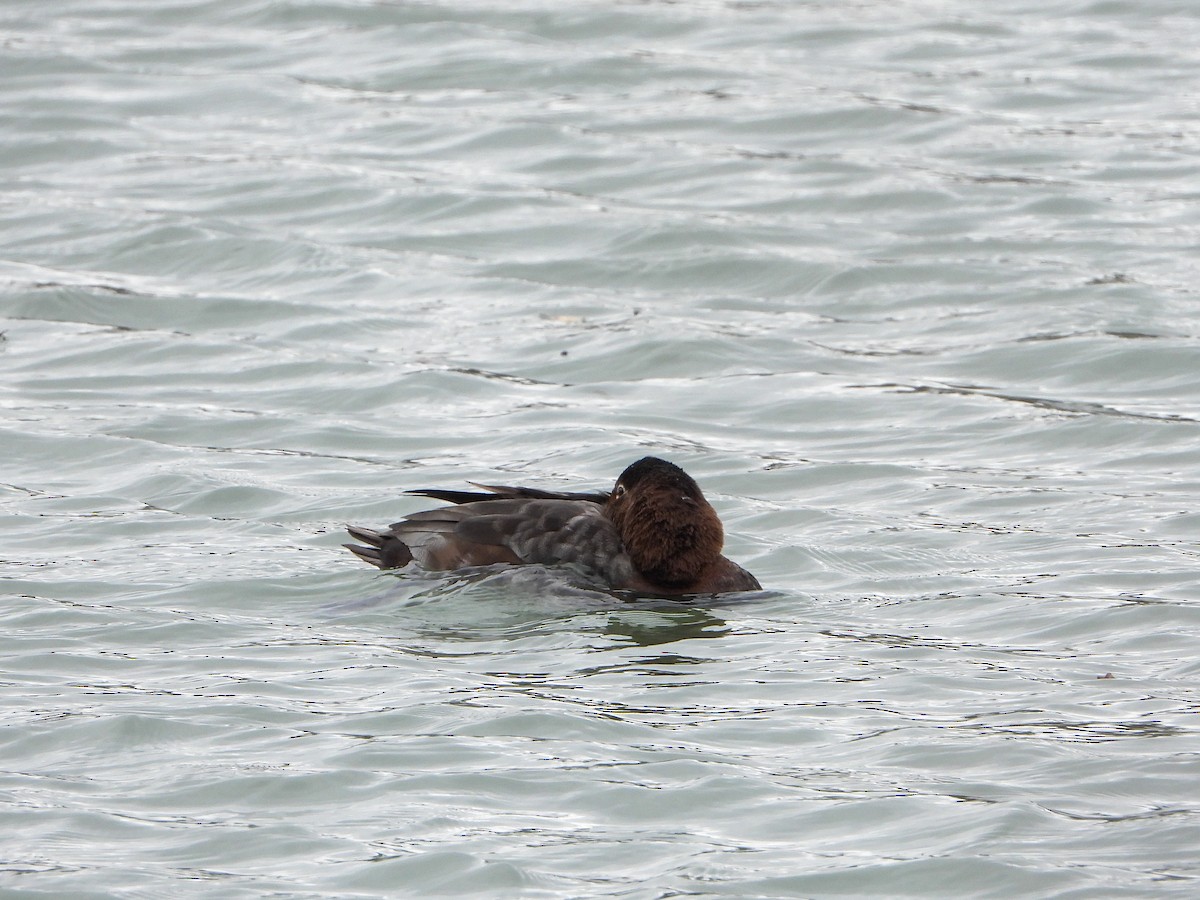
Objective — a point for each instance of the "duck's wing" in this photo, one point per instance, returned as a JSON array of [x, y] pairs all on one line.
[[508, 492], [515, 531], [546, 531]]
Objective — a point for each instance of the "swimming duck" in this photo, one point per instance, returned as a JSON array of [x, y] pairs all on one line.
[[653, 533]]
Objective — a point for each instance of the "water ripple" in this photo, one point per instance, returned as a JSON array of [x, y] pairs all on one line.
[[908, 289]]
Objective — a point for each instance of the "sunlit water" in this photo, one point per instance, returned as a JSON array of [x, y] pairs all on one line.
[[908, 287]]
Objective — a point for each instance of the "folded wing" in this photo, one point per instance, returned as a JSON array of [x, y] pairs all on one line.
[[527, 528]]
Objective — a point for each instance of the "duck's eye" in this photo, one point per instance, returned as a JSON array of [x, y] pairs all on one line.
[[618, 491]]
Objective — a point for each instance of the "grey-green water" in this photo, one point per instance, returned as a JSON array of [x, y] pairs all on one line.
[[910, 289]]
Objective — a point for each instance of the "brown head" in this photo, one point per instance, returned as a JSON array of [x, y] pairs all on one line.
[[670, 531]]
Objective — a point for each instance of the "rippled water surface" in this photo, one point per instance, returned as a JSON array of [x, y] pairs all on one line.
[[910, 288]]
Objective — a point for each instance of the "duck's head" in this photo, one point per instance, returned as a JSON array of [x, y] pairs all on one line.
[[670, 531]]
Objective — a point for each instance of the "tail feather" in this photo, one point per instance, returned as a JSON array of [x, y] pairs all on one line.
[[366, 554], [385, 551], [366, 535]]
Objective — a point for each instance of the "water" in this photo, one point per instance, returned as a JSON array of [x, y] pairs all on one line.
[[909, 288]]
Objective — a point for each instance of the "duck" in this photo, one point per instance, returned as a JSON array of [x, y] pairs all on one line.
[[653, 534]]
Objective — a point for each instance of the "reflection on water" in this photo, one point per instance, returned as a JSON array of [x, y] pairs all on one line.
[[654, 626], [513, 602]]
